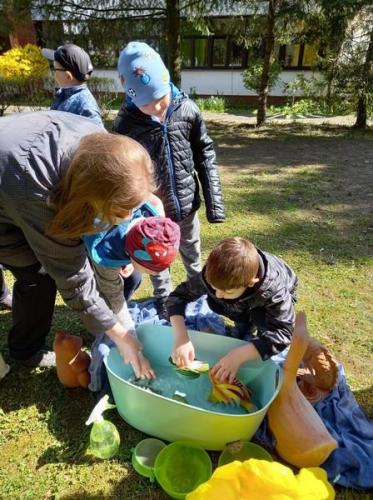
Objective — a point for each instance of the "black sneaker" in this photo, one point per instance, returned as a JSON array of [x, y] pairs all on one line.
[[41, 359], [6, 302], [162, 312]]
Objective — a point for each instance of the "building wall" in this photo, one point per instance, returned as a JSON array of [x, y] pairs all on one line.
[[214, 82], [229, 82]]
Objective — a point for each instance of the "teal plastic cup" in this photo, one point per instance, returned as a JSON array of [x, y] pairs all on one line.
[[144, 456]]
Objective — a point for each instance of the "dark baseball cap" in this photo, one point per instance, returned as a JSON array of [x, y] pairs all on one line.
[[72, 58]]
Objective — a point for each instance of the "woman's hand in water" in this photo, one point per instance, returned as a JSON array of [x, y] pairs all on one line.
[[146, 369], [130, 350]]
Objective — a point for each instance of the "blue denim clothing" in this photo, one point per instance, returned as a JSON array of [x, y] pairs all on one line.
[[78, 100]]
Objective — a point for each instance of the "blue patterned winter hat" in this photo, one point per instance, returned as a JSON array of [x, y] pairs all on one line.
[[146, 78]]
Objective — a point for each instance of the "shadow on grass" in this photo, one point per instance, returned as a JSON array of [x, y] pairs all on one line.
[[245, 147], [290, 130], [132, 487], [323, 221], [64, 410]]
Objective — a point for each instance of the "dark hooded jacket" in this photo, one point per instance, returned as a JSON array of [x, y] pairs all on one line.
[[183, 155], [269, 306]]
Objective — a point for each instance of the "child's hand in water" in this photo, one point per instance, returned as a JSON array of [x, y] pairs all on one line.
[[183, 353], [227, 367]]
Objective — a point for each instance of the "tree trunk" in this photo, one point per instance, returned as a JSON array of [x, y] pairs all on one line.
[[269, 42], [174, 40], [367, 77], [361, 112]]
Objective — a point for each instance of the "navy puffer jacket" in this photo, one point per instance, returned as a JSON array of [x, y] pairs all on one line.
[[183, 155]]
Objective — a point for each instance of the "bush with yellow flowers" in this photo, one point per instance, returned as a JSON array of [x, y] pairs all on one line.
[[23, 71], [23, 62]]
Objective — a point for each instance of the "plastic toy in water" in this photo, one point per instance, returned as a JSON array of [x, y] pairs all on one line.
[[259, 479], [144, 384], [180, 396], [227, 393], [193, 370], [104, 438]]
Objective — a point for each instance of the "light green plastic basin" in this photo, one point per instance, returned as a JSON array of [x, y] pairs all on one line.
[[171, 420]]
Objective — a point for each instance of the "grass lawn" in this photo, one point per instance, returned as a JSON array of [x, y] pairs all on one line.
[[301, 193]]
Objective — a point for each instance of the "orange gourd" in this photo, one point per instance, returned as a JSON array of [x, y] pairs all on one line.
[[71, 362], [301, 437]]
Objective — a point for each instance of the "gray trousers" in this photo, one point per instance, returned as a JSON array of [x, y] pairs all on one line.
[[190, 252]]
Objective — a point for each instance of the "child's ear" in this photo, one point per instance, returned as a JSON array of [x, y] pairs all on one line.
[[69, 75]]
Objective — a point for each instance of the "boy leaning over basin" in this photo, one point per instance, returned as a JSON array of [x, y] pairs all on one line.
[[170, 126], [72, 69], [253, 288]]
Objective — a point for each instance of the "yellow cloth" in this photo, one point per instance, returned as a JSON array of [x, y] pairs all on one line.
[[259, 480]]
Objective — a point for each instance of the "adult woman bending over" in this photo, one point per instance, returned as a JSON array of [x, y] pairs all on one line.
[[62, 177]]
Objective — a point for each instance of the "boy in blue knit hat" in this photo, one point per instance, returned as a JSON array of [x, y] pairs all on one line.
[[170, 126]]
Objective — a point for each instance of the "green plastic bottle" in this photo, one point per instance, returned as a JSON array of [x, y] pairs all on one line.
[[104, 438]]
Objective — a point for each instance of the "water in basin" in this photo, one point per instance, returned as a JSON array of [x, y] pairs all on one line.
[[196, 390]]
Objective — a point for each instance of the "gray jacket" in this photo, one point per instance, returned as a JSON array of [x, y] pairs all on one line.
[[35, 151], [268, 306]]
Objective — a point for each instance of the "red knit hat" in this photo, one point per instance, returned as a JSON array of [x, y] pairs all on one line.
[[153, 243]]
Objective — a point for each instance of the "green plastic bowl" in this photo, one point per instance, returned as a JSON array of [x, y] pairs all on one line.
[[180, 468], [144, 456], [242, 451]]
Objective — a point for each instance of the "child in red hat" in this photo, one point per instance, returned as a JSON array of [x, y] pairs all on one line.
[[149, 244]]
